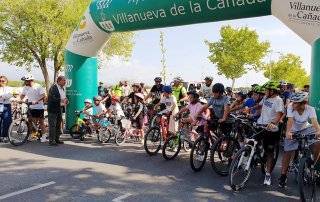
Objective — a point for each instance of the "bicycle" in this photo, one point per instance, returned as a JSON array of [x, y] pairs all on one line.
[[158, 133], [307, 176], [173, 144], [19, 132], [249, 157], [129, 133], [199, 151], [80, 128], [224, 149]]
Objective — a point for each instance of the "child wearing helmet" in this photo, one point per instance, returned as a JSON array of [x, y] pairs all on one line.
[[87, 110], [139, 114], [299, 113], [193, 108], [170, 102], [115, 108]]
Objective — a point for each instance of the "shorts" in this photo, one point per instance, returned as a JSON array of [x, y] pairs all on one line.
[[292, 145], [37, 113], [270, 140]]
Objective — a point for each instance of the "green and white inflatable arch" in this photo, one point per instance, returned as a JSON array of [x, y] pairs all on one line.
[[106, 16]]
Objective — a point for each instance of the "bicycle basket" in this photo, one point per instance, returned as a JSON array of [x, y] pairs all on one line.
[[126, 123], [104, 123]]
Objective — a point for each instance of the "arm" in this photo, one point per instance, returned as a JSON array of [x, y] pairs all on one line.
[[138, 112], [204, 108], [225, 113], [289, 127], [315, 124]]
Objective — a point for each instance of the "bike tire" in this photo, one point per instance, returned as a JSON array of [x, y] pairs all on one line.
[[201, 146], [104, 135], [235, 166], [304, 181], [154, 135], [120, 138], [168, 144], [232, 148], [22, 133]]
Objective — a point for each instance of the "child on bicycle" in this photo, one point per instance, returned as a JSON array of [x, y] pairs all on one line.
[[87, 111], [298, 113], [115, 110], [170, 102], [99, 111], [139, 113]]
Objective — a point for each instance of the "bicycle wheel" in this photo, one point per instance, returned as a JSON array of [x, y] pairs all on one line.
[[120, 138], [187, 146], [152, 141], [238, 174], [171, 147], [222, 153], [104, 135], [306, 181], [18, 132], [198, 154]]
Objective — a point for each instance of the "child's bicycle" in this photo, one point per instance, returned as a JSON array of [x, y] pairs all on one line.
[[130, 133], [80, 128]]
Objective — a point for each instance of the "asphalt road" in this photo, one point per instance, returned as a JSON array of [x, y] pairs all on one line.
[[93, 172]]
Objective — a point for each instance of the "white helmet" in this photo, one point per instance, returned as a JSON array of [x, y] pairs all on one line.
[[299, 97], [28, 77], [88, 101], [203, 100]]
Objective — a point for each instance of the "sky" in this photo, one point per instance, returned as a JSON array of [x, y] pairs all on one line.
[[187, 54]]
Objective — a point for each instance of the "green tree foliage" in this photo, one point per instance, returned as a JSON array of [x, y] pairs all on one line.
[[238, 51], [288, 68], [34, 33]]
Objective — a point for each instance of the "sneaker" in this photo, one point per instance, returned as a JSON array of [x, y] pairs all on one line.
[[283, 181], [267, 180]]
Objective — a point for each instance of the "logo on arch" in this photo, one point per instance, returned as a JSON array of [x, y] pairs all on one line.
[[107, 25]]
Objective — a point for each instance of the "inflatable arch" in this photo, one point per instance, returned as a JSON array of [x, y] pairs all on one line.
[[106, 16]]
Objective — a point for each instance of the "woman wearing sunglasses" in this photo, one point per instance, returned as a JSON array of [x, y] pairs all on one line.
[[5, 109]]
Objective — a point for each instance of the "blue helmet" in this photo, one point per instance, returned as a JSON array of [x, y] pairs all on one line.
[[167, 89]]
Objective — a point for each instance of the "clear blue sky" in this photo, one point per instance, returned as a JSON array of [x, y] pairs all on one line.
[[187, 54]]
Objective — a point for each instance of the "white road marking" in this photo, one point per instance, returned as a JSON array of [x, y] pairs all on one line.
[[26, 190], [120, 198]]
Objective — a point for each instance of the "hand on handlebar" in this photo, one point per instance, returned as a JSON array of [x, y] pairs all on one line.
[[271, 126]]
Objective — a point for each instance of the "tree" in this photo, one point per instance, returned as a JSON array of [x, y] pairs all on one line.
[[288, 68], [238, 51], [34, 33]]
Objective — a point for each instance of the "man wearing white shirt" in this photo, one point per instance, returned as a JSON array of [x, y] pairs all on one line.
[[35, 95], [5, 108]]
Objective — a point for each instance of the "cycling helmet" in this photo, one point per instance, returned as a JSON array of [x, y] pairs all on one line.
[[208, 78], [272, 85], [218, 88], [194, 93], [158, 79], [88, 101], [178, 79], [98, 98], [299, 97], [203, 100], [167, 89], [28, 77], [259, 89], [229, 89]]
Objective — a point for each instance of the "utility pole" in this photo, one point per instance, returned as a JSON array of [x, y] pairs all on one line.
[[163, 72]]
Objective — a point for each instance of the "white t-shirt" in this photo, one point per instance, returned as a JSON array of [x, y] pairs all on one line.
[[126, 90], [98, 109], [270, 108], [62, 92], [206, 91], [33, 94], [89, 111], [5, 95], [300, 122], [117, 110], [169, 102]]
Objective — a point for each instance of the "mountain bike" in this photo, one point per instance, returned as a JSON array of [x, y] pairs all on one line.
[[249, 157], [19, 132], [308, 176]]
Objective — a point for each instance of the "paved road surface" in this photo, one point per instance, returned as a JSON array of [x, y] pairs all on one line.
[[93, 172]]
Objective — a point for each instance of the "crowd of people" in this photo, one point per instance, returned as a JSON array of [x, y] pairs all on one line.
[[275, 104]]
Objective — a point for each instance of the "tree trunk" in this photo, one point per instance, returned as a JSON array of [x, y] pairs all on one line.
[[45, 74], [233, 82]]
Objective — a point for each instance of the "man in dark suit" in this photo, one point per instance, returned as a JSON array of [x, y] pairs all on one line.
[[56, 101]]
